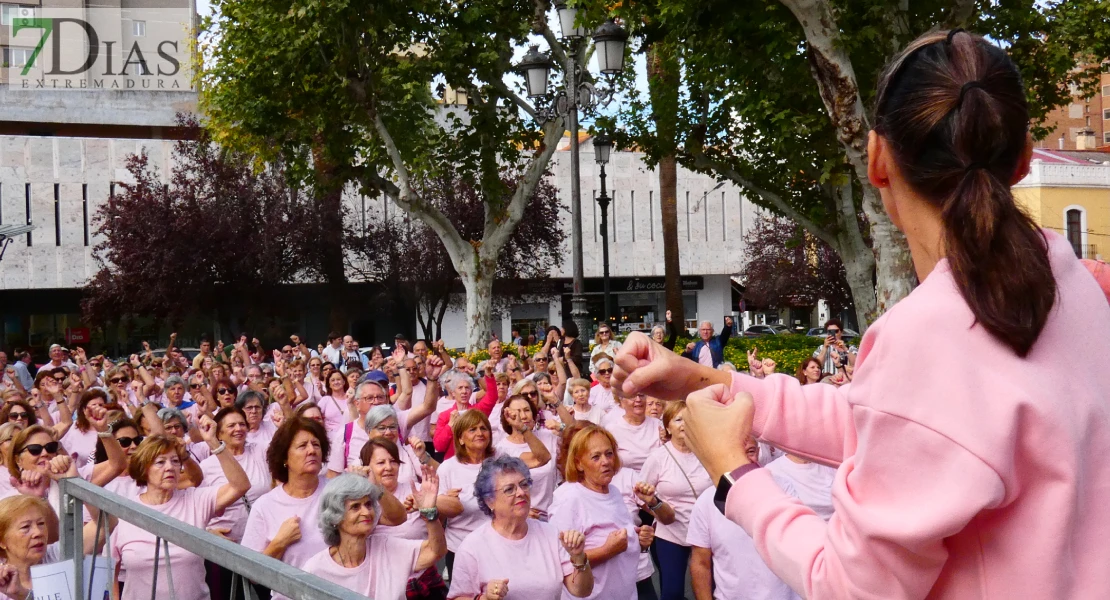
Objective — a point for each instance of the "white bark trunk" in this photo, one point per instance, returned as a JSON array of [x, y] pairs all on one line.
[[836, 79], [479, 306]]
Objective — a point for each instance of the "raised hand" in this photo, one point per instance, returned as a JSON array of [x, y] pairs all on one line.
[[754, 363], [573, 542], [207, 429], [617, 540], [496, 589], [668, 316], [645, 492], [717, 423], [644, 367], [418, 446], [433, 367], [10, 583], [31, 483], [134, 360], [728, 322], [398, 356], [59, 466], [425, 497], [768, 366], [51, 386], [690, 346], [553, 424], [98, 418], [646, 535]]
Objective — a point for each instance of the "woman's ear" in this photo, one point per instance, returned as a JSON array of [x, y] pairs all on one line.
[[1024, 161], [877, 157]]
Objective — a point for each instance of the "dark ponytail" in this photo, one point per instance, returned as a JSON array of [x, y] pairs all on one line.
[[952, 106]]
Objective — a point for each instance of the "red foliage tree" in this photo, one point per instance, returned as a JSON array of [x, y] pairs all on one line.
[[409, 255], [787, 267], [218, 234]]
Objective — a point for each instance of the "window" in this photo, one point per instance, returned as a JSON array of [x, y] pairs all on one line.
[[1075, 111], [15, 11], [1106, 90], [138, 28], [1106, 114], [1074, 230], [17, 57], [1106, 137]]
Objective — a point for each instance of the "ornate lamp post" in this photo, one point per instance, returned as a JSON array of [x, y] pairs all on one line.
[[610, 40], [602, 147]]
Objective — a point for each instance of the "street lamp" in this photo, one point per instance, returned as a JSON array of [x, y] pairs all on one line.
[[610, 41], [602, 147]]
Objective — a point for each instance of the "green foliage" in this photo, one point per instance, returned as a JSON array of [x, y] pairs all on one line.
[[788, 351]]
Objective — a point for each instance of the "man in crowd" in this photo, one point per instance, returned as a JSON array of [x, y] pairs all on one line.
[[709, 350], [834, 353], [497, 356], [58, 359], [351, 354], [23, 368], [205, 352], [333, 351]]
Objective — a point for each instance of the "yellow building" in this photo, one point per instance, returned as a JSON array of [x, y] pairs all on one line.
[[1069, 192]]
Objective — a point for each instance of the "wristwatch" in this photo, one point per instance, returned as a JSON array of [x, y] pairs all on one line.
[[726, 482], [429, 514]]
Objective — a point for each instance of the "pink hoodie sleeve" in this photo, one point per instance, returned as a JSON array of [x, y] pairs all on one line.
[[812, 421]]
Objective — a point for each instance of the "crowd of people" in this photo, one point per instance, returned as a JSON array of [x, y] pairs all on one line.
[[399, 473]]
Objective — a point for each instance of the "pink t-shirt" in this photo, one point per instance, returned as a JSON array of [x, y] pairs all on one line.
[[668, 469], [535, 565], [705, 356], [454, 474], [625, 482], [634, 442], [406, 473], [809, 482], [738, 571], [271, 510], [594, 415], [383, 575], [80, 445], [262, 436], [596, 516], [133, 547], [543, 478], [420, 428], [443, 404], [602, 397], [253, 461], [335, 413]]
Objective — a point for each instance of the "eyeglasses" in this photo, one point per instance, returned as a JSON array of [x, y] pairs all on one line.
[[225, 391], [19, 416], [251, 408], [516, 370], [604, 332], [124, 442], [194, 386], [37, 449], [386, 428], [604, 371], [833, 331], [375, 398], [531, 394], [525, 485], [540, 359]]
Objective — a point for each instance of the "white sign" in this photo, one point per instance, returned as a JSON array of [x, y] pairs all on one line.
[[54, 581]]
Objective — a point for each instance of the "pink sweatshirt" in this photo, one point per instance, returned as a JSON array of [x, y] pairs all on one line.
[[964, 471]]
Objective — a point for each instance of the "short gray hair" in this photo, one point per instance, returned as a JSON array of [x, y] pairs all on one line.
[[167, 413], [171, 381], [379, 413], [377, 384], [605, 360], [452, 377], [539, 375], [491, 468], [333, 503], [248, 395], [660, 329]]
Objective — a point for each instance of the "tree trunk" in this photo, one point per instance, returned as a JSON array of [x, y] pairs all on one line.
[[859, 270], [439, 317], [895, 277], [479, 305], [328, 199], [663, 84]]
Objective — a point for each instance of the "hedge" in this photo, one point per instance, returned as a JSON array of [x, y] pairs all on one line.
[[788, 351]]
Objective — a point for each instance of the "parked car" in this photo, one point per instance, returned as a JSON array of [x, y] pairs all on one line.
[[819, 332], [764, 330]]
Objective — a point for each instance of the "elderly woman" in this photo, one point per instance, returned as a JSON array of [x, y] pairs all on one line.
[[636, 433], [261, 428], [677, 476], [513, 556], [295, 458], [231, 430], [36, 464], [589, 503], [473, 444], [376, 566], [28, 536], [459, 387], [335, 402], [311, 411], [535, 447], [603, 344], [383, 467], [223, 391], [602, 393], [80, 440], [583, 409], [157, 465], [381, 423], [173, 396], [670, 333], [176, 424]]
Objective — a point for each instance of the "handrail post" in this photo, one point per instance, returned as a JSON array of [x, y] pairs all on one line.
[[73, 546]]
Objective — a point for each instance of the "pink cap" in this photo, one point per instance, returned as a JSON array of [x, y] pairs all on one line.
[[1101, 271]]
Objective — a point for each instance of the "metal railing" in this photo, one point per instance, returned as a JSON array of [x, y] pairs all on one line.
[[247, 564]]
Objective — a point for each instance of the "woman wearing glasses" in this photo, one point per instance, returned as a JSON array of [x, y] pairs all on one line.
[[602, 393], [603, 344], [36, 464], [536, 447], [513, 556]]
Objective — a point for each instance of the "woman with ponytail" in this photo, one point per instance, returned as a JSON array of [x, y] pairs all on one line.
[[945, 486]]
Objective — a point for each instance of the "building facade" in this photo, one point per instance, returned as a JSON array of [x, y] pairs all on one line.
[[1069, 192], [1084, 124]]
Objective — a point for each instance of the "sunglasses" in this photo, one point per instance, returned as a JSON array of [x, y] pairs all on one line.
[[833, 331], [532, 394], [19, 416], [224, 391], [59, 379], [36, 449], [124, 442], [117, 380], [604, 371], [604, 332], [194, 386]]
